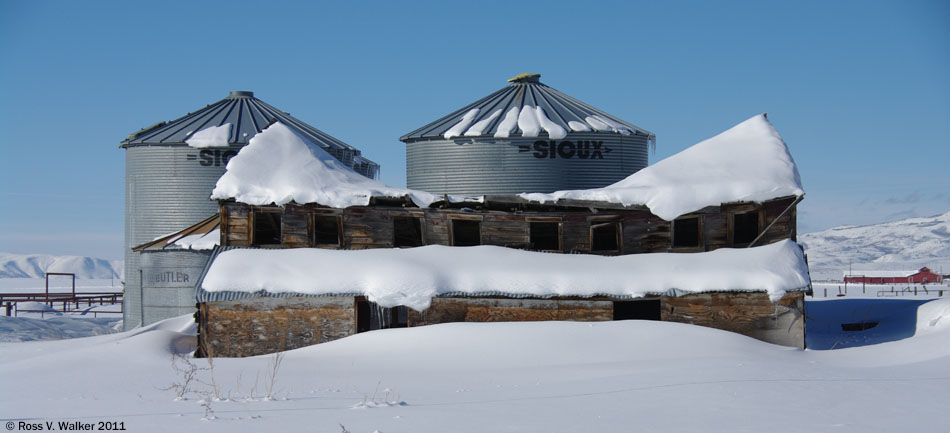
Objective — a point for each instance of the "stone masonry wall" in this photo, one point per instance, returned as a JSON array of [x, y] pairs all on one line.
[[257, 326]]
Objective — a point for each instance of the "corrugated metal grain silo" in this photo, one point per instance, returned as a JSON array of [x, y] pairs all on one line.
[[168, 185], [525, 137]]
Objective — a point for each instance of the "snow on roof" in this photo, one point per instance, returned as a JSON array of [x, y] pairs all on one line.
[[748, 162], [879, 274], [413, 276], [526, 108], [212, 136], [279, 166]]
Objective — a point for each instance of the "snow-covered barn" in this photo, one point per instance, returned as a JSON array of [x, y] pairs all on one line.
[[922, 276], [310, 251]]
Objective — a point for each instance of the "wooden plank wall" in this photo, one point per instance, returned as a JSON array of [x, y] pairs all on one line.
[[751, 314], [641, 231]]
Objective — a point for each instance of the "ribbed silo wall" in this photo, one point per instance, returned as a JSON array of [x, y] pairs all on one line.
[[509, 166], [168, 188]]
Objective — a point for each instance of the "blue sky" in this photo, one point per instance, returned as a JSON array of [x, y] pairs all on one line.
[[860, 90]]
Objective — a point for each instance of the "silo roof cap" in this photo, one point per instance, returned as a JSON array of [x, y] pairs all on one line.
[[525, 78], [528, 108]]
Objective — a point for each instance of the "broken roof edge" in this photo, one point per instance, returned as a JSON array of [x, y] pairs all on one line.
[[204, 227]]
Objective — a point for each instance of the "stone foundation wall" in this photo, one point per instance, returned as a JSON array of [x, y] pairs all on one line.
[[447, 310], [266, 325], [257, 326]]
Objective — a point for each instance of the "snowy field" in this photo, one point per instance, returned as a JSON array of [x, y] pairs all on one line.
[[826, 290], [499, 377]]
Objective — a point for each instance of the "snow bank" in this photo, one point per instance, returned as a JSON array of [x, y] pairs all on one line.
[[412, 276], [13, 329], [278, 167], [214, 136], [933, 316], [749, 162]]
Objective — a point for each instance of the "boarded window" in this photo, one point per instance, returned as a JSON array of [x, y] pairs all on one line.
[[686, 232], [266, 228], [544, 236], [326, 230], [407, 232], [745, 227], [466, 233], [647, 309], [605, 236]]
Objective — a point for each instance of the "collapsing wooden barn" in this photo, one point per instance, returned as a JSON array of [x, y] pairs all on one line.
[[311, 252]]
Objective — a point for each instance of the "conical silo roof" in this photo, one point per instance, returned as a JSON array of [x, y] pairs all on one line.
[[525, 108], [247, 116]]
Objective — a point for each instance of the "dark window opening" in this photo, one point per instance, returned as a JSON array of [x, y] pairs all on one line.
[[860, 326], [544, 236], [647, 309], [605, 237], [466, 233], [266, 228], [370, 316], [745, 227], [686, 232], [326, 230], [407, 232]]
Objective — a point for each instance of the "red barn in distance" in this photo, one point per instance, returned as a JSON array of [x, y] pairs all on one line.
[[923, 276]]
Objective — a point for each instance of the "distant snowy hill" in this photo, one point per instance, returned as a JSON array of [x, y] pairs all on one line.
[[36, 266], [908, 244]]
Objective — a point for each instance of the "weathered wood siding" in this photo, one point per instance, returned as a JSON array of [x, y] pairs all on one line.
[[294, 227], [641, 231], [235, 225], [257, 326], [449, 310], [751, 314], [785, 227]]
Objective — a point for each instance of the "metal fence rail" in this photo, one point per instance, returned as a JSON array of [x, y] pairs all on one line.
[[66, 302]]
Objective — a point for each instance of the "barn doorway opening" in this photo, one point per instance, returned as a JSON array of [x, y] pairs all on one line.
[[370, 316], [644, 309]]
